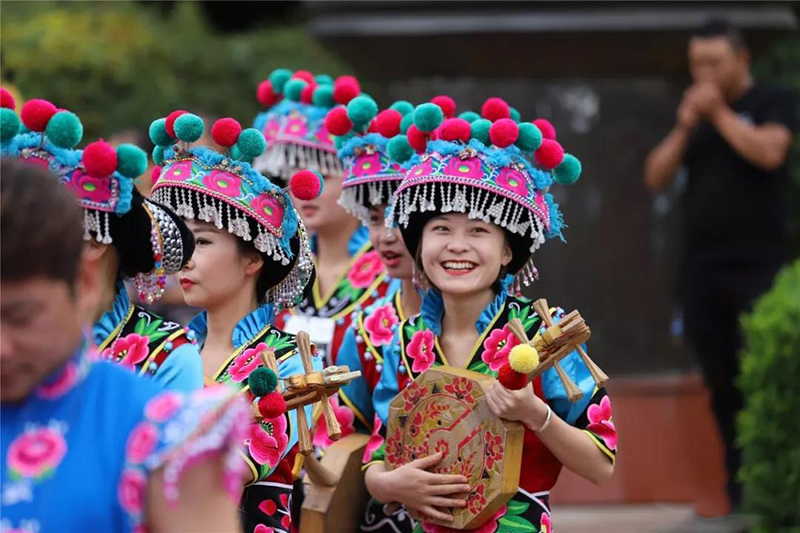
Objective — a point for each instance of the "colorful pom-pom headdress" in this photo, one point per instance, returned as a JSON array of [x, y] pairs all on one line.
[[489, 166], [225, 190], [294, 124]]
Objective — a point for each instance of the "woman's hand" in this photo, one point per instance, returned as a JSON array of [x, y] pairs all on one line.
[[417, 489], [522, 405]]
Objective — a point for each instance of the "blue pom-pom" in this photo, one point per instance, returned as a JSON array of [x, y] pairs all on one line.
[[293, 88], [480, 130], [403, 107], [428, 117], [568, 171], [158, 155], [9, 124], [399, 149], [406, 123], [64, 129], [131, 161], [529, 138], [323, 96], [279, 77], [323, 79], [189, 128], [262, 381], [361, 109], [469, 116], [251, 143], [158, 133], [515, 116]]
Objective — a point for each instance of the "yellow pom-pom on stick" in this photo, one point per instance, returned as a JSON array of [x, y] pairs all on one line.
[[524, 358]]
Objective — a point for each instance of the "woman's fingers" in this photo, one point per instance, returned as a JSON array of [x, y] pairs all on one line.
[[432, 512], [444, 479], [426, 462], [452, 488], [438, 501]]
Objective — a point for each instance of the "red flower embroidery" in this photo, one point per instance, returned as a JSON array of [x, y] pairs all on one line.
[[131, 491], [89, 188], [545, 525], [420, 349], [375, 440], [267, 206], [497, 346], [129, 350], [601, 422], [489, 527], [345, 417], [247, 361], [461, 388], [412, 395], [36, 452], [367, 165], [224, 183], [268, 440], [494, 449], [163, 406], [62, 383], [380, 325], [513, 180], [141, 442], [365, 270]]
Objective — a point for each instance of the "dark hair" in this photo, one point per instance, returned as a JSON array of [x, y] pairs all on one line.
[[41, 227], [720, 27]]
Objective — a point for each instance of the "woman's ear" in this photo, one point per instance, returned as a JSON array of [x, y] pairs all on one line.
[[253, 261], [94, 250], [507, 255]]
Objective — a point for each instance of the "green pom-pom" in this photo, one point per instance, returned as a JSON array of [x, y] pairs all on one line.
[[158, 133], [189, 127], [339, 140], [406, 123], [293, 88], [480, 130], [323, 79], [262, 381], [515, 116], [131, 161], [469, 116], [530, 137], [158, 155], [9, 124], [251, 143], [361, 109], [568, 171], [323, 96], [428, 117], [399, 149], [237, 154], [64, 129], [278, 78], [403, 106]]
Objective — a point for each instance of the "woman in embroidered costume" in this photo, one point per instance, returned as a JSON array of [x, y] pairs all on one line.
[[251, 257], [83, 441], [131, 236], [472, 209]]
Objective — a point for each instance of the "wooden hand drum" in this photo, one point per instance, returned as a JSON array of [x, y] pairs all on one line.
[[445, 410]]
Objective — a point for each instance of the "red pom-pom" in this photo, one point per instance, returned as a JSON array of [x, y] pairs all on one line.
[[337, 122], [303, 75], [345, 88], [504, 132], [171, 118], [266, 95], [99, 159], [547, 129], [387, 123], [155, 174], [495, 109], [373, 128], [6, 100], [306, 185], [225, 131], [416, 139], [37, 113], [511, 379], [446, 104], [549, 155], [272, 405], [307, 94], [455, 129]]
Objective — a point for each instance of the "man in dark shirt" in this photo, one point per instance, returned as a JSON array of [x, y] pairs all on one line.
[[733, 137]]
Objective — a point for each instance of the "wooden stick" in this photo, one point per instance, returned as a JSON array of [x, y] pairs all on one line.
[[331, 424], [516, 327], [572, 390], [302, 433], [600, 377], [318, 473]]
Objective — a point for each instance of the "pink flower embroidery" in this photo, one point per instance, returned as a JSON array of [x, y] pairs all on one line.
[[179, 172], [324, 135], [375, 440], [464, 168], [141, 442], [601, 423], [163, 406], [497, 346], [223, 183], [365, 270], [267, 207], [89, 188], [513, 180], [246, 362], [420, 349], [62, 383], [261, 528], [345, 417], [423, 169], [36, 453], [131, 490], [545, 525], [268, 507], [367, 165], [129, 350], [268, 440], [380, 325], [489, 527], [296, 126], [271, 129]]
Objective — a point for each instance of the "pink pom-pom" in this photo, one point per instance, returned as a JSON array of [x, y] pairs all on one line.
[[373, 128], [345, 88], [387, 123], [495, 109], [511, 379], [303, 75], [547, 129], [272, 405], [170, 123], [307, 94], [446, 104], [225, 131], [337, 122], [416, 139], [36, 114], [266, 95], [6, 100], [549, 155], [504, 132], [155, 174], [455, 129], [306, 185], [99, 159]]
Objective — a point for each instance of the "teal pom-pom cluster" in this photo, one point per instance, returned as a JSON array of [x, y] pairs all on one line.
[[568, 171], [530, 137], [403, 107], [428, 117], [251, 143], [294, 88], [323, 95], [9, 124], [189, 128], [158, 133], [278, 78], [158, 155], [480, 130], [469, 116], [406, 123], [515, 116], [64, 129], [340, 140], [131, 160], [262, 381], [399, 149], [323, 79], [361, 110]]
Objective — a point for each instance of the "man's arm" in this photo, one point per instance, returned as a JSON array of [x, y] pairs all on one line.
[[765, 146], [664, 160]]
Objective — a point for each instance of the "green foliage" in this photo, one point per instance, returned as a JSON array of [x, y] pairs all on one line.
[[769, 425], [119, 65]]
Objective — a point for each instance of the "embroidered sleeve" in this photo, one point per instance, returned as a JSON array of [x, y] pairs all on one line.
[[597, 421], [388, 387], [176, 431], [356, 394]]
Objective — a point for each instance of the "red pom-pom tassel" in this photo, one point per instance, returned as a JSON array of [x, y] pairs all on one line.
[[36, 114], [266, 95], [337, 122], [306, 185], [387, 123], [170, 123], [6, 100], [549, 155], [495, 109], [225, 131], [99, 159], [303, 75], [446, 104], [547, 129], [455, 129], [307, 94], [511, 379], [345, 88], [155, 174], [504, 132], [416, 139], [272, 405]]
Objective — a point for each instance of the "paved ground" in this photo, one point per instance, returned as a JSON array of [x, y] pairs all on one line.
[[645, 518]]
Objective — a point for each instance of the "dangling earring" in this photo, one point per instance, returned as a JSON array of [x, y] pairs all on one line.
[[418, 279]]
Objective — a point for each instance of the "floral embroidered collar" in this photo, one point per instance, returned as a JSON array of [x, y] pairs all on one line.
[[111, 323], [69, 375], [245, 330], [432, 308]]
